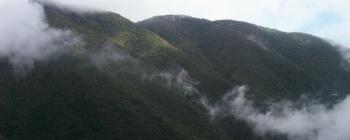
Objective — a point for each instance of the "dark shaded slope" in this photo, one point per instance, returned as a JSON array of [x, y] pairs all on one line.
[[62, 101]]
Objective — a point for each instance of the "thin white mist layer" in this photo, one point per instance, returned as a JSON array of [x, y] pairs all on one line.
[[25, 36], [312, 122]]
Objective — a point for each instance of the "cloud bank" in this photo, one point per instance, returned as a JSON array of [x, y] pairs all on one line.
[[309, 122], [25, 36]]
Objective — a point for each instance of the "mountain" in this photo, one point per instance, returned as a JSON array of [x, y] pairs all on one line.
[[276, 65], [146, 80]]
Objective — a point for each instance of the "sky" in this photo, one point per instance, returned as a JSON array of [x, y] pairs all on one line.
[[326, 18]]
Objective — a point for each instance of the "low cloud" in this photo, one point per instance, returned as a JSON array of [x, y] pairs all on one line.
[[26, 37], [308, 122], [180, 79]]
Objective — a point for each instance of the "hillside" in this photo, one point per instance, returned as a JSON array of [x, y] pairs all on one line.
[[155, 79], [274, 64]]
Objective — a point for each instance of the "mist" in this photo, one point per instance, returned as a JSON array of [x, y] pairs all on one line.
[[308, 122], [26, 36], [111, 59], [258, 42]]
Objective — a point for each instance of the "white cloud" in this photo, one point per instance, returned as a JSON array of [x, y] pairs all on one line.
[[25, 37], [309, 122]]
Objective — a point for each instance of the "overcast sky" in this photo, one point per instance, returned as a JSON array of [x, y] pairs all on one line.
[[326, 18]]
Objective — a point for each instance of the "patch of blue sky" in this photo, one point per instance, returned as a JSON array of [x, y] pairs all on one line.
[[322, 20]]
